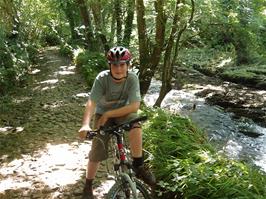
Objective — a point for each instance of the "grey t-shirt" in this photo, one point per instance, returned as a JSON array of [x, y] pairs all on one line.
[[109, 95]]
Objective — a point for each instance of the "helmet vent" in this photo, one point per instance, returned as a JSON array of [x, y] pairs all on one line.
[[117, 54]]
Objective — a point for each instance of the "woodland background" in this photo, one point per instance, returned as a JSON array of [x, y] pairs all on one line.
[[224, 39]]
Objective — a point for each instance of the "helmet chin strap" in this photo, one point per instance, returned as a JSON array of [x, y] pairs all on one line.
[[118, 78]]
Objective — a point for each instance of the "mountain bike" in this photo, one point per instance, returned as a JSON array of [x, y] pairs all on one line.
[[126, 184]]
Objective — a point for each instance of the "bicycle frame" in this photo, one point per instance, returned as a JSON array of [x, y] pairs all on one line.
[[123, 168], [123, 164]]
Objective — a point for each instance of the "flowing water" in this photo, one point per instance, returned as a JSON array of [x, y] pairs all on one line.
[[222, 128]]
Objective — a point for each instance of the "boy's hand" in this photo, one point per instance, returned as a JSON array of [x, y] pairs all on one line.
[[103, 119], [83, 131]]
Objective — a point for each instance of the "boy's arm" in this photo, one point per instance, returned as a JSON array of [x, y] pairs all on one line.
[[89, 111], [119, 112], [125, 110]]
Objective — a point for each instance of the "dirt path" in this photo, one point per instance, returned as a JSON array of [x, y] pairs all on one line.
[[40, 155]]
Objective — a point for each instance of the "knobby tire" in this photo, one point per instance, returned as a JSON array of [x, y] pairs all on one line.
[[118, 188]]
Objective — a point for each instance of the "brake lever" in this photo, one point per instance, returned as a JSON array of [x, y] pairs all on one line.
[[90, 134]]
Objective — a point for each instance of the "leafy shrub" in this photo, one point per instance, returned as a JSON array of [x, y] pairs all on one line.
[[49, 36], [187, 166], [32, 53], [66, 50], [15, 59], [91, 63], [50, 39]]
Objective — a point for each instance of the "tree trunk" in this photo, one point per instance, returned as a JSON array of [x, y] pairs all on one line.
[[68, 9], [169, 60], [149, 59], [166, 73], [118, 18], [129, 22], [96, 11], [87, 23]]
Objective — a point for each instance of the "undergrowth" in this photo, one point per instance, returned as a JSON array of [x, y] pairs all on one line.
[[187, 166]]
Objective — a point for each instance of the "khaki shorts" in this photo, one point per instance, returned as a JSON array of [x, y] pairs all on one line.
[[99, 148]]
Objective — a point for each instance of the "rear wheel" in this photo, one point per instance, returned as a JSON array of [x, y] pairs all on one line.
[[122, 191]]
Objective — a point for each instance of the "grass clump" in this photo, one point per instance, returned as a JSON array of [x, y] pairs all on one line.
[[187, 166]]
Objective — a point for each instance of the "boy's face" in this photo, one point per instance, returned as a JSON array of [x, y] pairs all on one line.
[[119, 70]]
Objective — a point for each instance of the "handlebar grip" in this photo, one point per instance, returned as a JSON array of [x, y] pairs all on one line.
[[90, 135]]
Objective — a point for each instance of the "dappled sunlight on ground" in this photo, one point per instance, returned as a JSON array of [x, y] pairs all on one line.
[[82, 95], [54, 61], [55, 166], [35, 71], [47, 88], [66, 70], [9, 129], [53, 104], [23, 99], [50, 81], [48, 84]]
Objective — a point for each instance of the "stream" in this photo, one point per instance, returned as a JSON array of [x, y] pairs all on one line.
[[228, 133]]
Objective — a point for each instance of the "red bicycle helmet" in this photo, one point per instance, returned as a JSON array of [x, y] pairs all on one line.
[[118, 55]]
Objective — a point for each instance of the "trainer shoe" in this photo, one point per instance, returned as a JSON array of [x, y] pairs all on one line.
[[143, 173], [87, 191]]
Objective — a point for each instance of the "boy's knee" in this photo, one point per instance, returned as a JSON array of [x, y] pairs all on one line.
[[135, 126]]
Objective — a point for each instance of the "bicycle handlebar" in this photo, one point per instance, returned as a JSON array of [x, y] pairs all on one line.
[[111, 130]]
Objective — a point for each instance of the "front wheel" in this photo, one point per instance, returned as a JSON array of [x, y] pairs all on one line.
[[122, 191]]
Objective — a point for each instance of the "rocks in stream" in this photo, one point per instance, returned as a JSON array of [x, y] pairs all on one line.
[[242, 101], [251, 133]]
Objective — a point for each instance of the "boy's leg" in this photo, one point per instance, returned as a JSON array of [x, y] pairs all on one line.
[[97, 153], [92, 168], [135, 142], [90, 175]]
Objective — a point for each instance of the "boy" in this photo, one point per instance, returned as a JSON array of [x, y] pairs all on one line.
[[115, 98]]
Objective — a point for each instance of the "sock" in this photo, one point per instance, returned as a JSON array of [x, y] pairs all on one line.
[[137, 162], [89, 182], [88, 187]]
